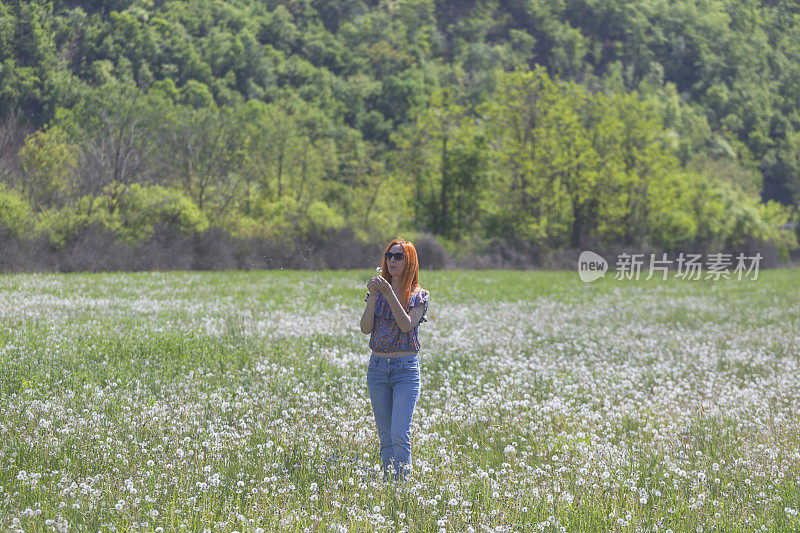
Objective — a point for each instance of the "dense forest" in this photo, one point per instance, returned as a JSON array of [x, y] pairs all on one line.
[[559, 124]]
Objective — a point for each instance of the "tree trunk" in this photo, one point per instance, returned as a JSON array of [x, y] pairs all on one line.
[[280, 172], [443, 200]]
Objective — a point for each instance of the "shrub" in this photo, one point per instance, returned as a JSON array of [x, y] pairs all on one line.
[[147, 207], [16, 219]]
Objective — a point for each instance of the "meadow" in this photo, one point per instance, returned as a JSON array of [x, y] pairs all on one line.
[[237, 401]]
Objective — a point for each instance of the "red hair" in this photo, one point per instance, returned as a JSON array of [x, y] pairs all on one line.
[[409, 284]]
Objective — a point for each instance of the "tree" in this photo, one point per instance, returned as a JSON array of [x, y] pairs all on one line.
[[115, 145], [445, 154], [47, 161], [13, 130], [200, 151], [526, 193]]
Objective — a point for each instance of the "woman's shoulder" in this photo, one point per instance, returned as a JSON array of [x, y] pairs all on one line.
[[420, 294]]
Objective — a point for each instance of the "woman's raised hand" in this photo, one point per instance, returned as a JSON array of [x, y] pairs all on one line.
[[372, 287], [381, 284], [378, 284]]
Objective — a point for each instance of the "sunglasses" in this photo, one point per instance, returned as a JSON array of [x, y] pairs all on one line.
[[398, 256]]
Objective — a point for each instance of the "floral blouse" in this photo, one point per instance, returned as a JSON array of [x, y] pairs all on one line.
[[386, 336]]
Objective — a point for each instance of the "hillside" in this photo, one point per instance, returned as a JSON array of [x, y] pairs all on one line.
[[668, 124]]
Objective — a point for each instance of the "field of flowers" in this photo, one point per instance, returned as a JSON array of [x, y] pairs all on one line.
[[237, 401]]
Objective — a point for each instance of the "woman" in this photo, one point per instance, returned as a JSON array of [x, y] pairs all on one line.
[[396, 304]]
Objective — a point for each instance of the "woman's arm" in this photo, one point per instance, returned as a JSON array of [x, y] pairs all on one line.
[[400, 315], [368, 317]]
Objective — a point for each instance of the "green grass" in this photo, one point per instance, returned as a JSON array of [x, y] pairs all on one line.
[[619, 405]]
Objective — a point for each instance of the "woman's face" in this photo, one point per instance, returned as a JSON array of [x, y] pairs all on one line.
[[396, 267]]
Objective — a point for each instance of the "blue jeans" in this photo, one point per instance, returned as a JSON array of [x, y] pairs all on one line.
[[394, 386]]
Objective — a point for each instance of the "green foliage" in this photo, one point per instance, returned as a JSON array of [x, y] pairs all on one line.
[[279, 217], [46, 160], [556, 123], [447, 153], [775, 217], [243, 226], [197, 94], [15, 214], [60, 225], [674, 229], [320, 218], [571, 165], [148, 208], [674, 223]]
